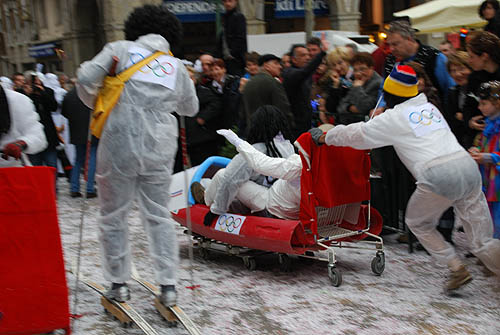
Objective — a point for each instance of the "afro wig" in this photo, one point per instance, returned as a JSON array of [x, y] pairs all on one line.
[[151, 19]]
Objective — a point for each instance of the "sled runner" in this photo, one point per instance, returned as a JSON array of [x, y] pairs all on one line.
[[122, 311], [334, 183], [173, 314]]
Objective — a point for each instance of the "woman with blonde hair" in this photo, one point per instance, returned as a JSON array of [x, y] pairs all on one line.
[[340, 75], [339, 60]]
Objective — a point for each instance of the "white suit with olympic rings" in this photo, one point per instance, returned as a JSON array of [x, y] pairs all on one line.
[[446, 175], [137, 151], [238, 180]]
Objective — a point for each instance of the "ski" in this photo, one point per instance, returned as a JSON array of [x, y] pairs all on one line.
[[121, 310], [177, 312]]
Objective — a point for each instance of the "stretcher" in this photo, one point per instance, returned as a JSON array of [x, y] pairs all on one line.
[[334, 212]]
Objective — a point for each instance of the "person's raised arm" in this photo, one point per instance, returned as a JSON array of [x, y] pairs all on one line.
[[276, 167]]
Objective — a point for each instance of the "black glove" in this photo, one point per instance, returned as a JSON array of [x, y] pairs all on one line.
[[316, 133], [209, 218]]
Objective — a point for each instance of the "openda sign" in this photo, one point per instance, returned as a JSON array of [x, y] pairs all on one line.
[[204, 10]]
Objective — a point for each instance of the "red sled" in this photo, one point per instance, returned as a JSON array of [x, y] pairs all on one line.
[[334, 183], [33, 290]]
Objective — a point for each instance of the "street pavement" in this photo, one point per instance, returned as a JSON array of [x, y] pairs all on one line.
[[406, 299]]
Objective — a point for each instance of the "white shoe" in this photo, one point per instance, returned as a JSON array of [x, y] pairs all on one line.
[[168, 296], [120, 293]]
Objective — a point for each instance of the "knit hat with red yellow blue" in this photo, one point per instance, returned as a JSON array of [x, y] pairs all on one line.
[[402, 82]]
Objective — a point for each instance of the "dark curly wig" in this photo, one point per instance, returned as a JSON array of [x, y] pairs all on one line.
[[265, 124], [151, 19]]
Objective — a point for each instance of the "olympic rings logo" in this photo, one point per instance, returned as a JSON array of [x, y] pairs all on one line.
[[229, 223], [424, 117], [158, 69]]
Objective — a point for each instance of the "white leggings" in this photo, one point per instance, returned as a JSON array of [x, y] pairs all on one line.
[[453, 181], [251, 194]]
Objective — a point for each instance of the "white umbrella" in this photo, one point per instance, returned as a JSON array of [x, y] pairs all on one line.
[[444, 15]]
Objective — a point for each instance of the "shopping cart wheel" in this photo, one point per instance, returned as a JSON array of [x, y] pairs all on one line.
[[204, 253], [250, 263], [378, 263], [285, 262], [335, 276]]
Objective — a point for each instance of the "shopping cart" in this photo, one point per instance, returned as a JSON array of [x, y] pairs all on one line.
[[334, 212]]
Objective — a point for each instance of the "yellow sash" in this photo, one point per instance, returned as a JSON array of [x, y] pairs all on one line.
[[110, 93]]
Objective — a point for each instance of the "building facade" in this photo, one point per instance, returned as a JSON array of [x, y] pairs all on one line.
[[60, 34]]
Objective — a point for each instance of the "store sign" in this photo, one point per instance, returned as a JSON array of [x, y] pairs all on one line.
[[204, 10], [295, 8], [192, 10], [42, 50]]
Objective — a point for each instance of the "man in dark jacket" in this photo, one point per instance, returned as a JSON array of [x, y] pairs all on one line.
[[202, 140], [406, 48], [297, 83], [232, 40], [78, 116], [264, 89]]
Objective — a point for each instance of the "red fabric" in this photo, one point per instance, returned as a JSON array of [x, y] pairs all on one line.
[[379, 56], [338, 175], [33, 290]]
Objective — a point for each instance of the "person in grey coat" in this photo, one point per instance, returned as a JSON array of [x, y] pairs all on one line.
[[363, 94], [264, 89]]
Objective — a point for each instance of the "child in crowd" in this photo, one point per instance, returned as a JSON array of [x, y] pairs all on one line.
[[486, 150], [251, 64]]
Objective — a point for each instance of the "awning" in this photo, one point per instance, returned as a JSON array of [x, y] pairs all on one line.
[[444, 15]]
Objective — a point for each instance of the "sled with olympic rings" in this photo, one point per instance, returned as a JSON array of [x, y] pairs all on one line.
[[334, 183]]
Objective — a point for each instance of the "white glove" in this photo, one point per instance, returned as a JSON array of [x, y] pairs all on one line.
[[230, 136]]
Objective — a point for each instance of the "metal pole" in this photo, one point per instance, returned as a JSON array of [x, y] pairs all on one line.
[[218, 24], [309, 18]]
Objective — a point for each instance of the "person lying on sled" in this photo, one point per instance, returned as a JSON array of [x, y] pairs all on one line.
[[282, 199], [267, 134]]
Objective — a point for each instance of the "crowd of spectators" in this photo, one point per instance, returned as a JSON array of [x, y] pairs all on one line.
[[313, 84]]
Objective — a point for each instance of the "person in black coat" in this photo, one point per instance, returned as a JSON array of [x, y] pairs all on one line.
[[488, 10], [484, 58], [460, 70], [202, 140], [78, 116], [297, 81], [45, 103], [264, 89], [228, 88], [232, 40]]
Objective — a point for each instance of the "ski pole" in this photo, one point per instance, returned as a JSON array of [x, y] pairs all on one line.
[[376, 106], [186, 164]]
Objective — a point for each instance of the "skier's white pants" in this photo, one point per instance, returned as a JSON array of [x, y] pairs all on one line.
[[116, 195], [455, 181], [251, 194]]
